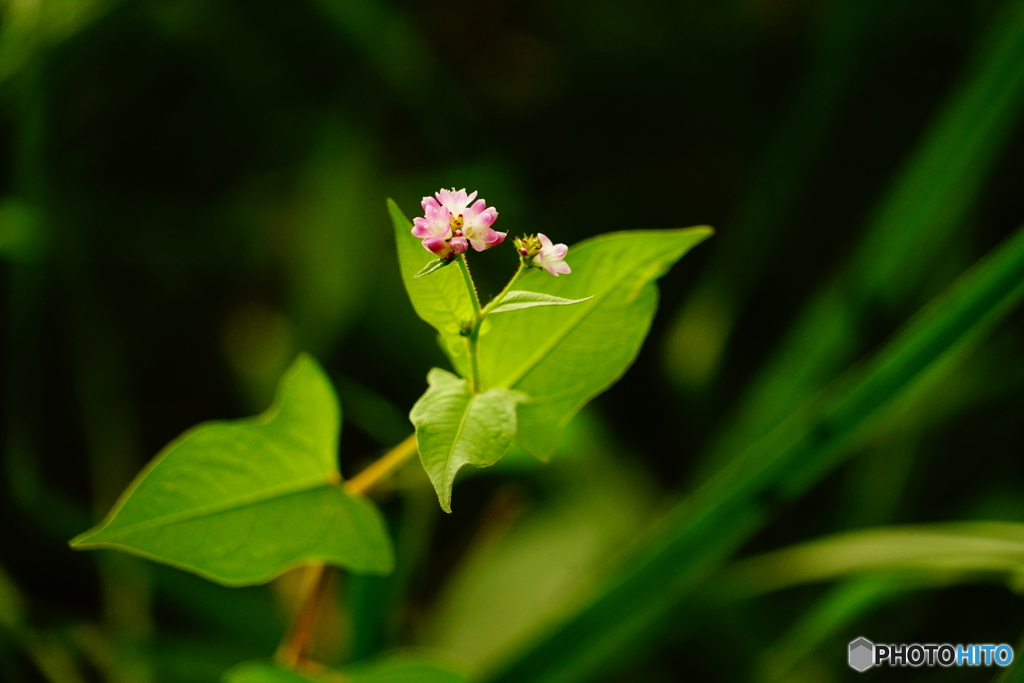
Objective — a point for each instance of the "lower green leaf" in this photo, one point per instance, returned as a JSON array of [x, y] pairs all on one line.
[[455, 427], [240, 502]]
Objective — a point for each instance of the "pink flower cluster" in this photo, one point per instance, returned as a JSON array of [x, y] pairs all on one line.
[[450, 224]]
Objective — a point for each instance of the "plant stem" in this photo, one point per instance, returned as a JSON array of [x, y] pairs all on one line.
[[473, 296], [474, 332], [297, 639], [380, 469], [474, 362]]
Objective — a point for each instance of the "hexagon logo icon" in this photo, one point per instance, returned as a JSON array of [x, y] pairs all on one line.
[[862, 654]]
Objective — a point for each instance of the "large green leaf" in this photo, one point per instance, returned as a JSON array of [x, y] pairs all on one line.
[[705, 529], [240, 502], [563, 356], [394, 669], [455, 427], [440, 298]]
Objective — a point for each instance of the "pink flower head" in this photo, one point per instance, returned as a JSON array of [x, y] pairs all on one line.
[[451, 224], [551, 257]]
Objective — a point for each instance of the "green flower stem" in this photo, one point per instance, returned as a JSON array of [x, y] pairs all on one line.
[[293, 647], [474, 361], [474, 332], [464, 267]]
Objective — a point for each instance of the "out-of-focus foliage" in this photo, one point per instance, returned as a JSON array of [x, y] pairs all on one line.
[[397, 669], [191, 193]]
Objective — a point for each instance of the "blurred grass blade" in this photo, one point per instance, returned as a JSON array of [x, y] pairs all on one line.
[[819, 625], [939, 551], [912, 225], [758, 232], [716, 519], [400, 667]]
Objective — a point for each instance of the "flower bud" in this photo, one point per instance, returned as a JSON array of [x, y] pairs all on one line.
[[528, 247]]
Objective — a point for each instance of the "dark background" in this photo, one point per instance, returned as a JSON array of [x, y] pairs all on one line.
[[193, 192]]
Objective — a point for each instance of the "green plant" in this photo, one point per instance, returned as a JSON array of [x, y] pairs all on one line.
[[241, 502]]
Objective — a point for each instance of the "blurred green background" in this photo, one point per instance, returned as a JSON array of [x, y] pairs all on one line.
[[193, 192]]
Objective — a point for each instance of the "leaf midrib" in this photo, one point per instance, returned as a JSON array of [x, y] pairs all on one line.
[[560, 336], [448, 476], [208, 510]]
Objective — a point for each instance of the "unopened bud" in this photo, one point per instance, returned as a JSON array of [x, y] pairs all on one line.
[[528, 246]]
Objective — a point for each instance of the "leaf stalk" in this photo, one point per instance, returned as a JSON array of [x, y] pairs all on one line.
[[298, 637]]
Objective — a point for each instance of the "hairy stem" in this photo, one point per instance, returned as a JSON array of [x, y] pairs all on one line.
[[473, 334], [473, 296], [297, 639]]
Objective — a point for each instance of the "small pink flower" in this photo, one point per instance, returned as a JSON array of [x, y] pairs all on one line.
[[434, 226], [477, 221], [551, 257], [451, 224], [437, 245], [459, 243]]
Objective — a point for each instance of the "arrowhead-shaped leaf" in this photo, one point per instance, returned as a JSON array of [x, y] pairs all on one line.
[[564, 356], [455, 427], [517, 300], [240, 502], [440, 299]]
